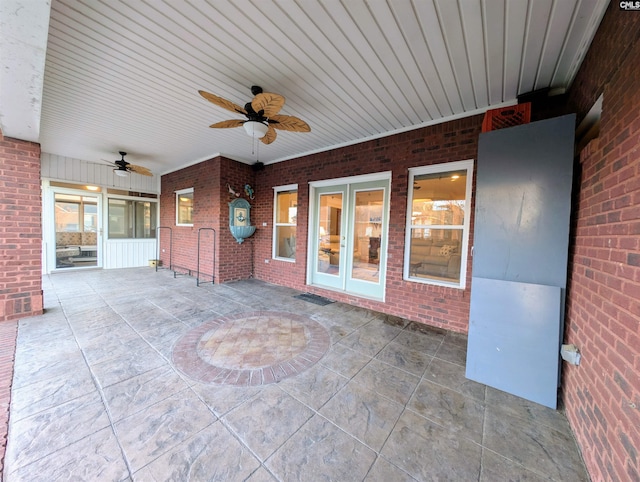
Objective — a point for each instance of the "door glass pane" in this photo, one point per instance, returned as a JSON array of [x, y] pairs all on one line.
[[367, 230], [76, 222], [330, 234]]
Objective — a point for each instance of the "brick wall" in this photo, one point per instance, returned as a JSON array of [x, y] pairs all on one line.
[[602, 394], [452, 141], [209, 180], [20, 229], [437, 306]]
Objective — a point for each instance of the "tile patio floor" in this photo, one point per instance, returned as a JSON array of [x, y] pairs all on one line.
[[106, 388]]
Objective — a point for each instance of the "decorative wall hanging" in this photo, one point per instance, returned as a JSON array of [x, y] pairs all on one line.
[[240, 219], [232, 191]]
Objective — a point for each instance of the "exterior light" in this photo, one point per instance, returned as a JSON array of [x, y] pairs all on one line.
[[255, 129]]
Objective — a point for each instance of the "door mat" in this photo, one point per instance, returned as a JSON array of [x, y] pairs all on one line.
[[315, 299]]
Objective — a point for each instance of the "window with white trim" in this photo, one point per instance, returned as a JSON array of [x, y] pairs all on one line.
[[184, 207], [285, 214], [438, 220]]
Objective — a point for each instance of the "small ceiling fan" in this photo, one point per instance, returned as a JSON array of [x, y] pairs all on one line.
[[261, 113], [123, 168]]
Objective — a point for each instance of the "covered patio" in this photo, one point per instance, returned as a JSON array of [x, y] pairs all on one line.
[[133, 374]]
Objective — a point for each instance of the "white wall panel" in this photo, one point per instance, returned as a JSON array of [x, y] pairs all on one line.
[[59, 168], [128, 253]]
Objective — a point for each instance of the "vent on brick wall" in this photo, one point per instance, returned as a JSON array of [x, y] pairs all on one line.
[[516, 115]]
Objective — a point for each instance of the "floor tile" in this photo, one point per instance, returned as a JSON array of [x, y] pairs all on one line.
[[50, 392], [45, 432], [96, 457], [363, 414], [383, 470], [529, 411], [452, 352], [268, 420], [102, 350], [147, 435], [419, 339], [221, 399], [535, 446], [140, 392], [315, 386], [143, 315], [344, 361], [321, 451], [452, 376], [162, 338], [103, 316], [495, 467], [128, 365], [405, 358], [462, 415], [116, 332], [430, 452], [45, 368], [388, 381], [261, 475], [211, 454], [371, 338]]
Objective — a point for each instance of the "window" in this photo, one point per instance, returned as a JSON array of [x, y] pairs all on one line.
[[438, 223], [76, 214], [130, 219], [184, 207], [284, 224]]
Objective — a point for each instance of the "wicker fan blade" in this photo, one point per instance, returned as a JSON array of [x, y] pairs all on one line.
[[220, 102], [268, 102], [289, 123], [270, 136], [139, 170], [227, 123]]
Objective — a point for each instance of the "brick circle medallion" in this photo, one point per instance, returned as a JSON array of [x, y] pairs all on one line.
[[249, 349]]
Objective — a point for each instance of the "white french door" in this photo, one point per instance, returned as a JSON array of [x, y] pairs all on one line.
[[348, 234]]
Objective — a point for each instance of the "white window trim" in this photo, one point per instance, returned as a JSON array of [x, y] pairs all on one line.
[[276, 190], [177, 193], [436, 168]]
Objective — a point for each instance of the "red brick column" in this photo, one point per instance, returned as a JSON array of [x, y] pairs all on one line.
[[20, 229], [8, 333]]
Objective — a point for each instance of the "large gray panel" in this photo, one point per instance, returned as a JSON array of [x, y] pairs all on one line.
[[523, 202], [514, 339]]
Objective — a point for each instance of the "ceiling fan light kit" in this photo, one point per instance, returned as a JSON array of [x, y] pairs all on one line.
[[262, 118], [123, 168], [256, 129]]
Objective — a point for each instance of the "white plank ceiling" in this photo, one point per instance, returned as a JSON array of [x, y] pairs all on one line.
[[125, 74]]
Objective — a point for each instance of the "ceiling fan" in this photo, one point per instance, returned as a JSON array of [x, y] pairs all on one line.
[[123, 168], [261, 113]]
